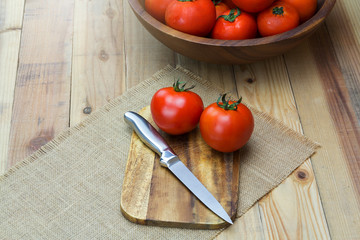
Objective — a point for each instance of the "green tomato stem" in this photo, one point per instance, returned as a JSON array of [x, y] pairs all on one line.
[[178, 88], [278, 11], [216, 2], [225, 104], [232, 16]]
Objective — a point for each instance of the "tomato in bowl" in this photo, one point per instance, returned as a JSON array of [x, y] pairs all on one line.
[[230, 51]]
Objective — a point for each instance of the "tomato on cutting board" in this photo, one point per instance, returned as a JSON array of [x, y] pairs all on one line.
[[278, 18], [226, 125], [176, 110], [196, 17], [234, 24]]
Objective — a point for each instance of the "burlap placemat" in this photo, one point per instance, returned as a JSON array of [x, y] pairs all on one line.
[[70, 188]]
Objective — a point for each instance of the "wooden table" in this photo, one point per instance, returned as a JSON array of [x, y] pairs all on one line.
[[61, 60]]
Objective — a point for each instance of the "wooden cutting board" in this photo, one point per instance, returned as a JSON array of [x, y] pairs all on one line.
[[152, 195]]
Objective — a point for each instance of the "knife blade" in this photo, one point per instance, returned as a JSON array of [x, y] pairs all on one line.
[[151, 137]]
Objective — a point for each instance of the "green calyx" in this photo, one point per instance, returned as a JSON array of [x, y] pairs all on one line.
[[278, 11], [231, 16], [185, 0], [216, 2], [181, 88], [225, 104]]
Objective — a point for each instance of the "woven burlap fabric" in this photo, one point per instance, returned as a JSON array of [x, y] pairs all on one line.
[[71, 187]]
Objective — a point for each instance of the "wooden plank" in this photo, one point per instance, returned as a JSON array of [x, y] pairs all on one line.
[[340, 104], [144, 54], [41, 104], [220, 75], [328, 117], [294, 210], [284, 212], [9, 49], [98, 72], [247, 227], [11, 15], [109, 54], [343, 26]]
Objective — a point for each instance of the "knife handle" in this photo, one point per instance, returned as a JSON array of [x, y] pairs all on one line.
[[148, 134]]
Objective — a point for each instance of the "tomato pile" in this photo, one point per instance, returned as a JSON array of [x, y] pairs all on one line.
[[225, 125], [232, 19]]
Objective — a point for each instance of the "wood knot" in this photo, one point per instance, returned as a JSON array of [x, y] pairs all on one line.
[[38, 142], [110, 13], [250, 80], [302, 175], [103, 56], [87, 110]]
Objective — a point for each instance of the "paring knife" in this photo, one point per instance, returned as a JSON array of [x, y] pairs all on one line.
[[148, 134]]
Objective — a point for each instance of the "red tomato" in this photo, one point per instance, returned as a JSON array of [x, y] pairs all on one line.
[[229, 3], [196, 17], [253, 6], [226, 126], [278, 18], [234, 25], [176, 110], [220, 8], [306, 8], [156, 8]]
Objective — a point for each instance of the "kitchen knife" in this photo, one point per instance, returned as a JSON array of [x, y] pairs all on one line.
[[148, 134]]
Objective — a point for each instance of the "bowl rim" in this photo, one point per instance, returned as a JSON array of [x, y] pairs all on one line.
[[315, 20]]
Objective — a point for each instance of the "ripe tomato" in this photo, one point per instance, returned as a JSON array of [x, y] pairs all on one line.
[[220, 8], [176, 110], [196, 17], [253, 6], [278, 18], [229, 3], [156, 8], [306, 8], [226, 126], [234, 25]]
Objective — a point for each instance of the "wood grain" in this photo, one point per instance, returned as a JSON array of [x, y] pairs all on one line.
[[42, 93], [11, 15], [98, 73], [321, 120], [220, 75], [9, 49], [343, 27], [340, 105], [144, 54], [294, 210], [266, 86], [146, 182], [249, 226]]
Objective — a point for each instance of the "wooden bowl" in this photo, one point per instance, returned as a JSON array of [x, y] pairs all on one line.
[[230, 51]]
